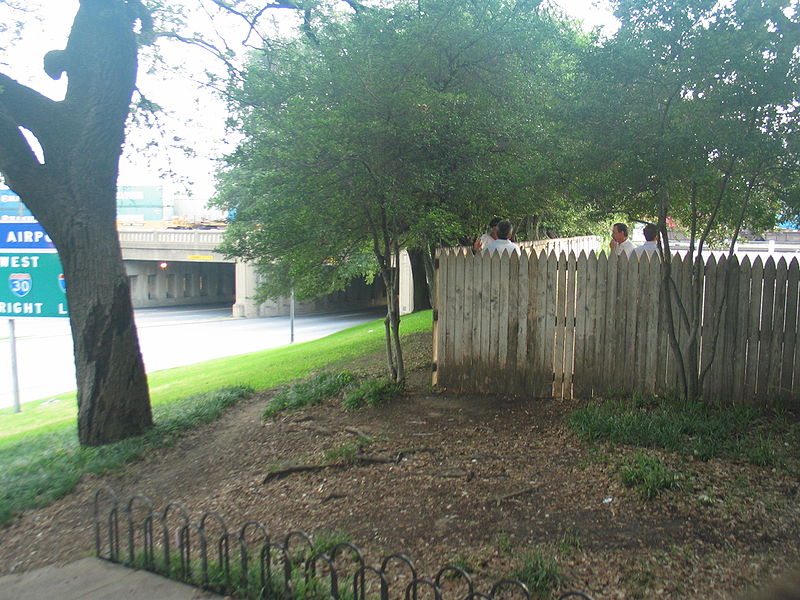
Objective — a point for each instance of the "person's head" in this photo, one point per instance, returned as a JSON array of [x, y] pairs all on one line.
[[619, 232], [504, 230], [493, 226], [650, 232]]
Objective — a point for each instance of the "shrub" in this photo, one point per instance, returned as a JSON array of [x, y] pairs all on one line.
[[371, 392], [648, 475], [539, 571], [308, 392]]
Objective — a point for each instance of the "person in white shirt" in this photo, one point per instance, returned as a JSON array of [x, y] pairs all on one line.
[[651, 241], [503, 242], [488, 237], [619, 240]]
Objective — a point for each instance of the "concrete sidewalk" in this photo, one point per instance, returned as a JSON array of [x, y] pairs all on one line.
[[95, 579]]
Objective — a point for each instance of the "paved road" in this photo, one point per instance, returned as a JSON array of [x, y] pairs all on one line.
[[169, 337]]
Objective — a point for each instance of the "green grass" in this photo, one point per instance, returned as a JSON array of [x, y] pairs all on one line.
[[539, 571], [347, 452], [702, 430], [647, 475], [308, 392], [371, 392], [228, 578], [45, 467], [40, 460]]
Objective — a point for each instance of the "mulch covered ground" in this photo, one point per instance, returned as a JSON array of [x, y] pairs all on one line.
[[475, 480]]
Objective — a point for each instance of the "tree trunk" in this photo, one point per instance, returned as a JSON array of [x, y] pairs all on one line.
[[430, 273], [113, 397], [422, 296], [73, 195], [394, 317]]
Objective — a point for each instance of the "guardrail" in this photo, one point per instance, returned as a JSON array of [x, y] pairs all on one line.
[[196, 238]]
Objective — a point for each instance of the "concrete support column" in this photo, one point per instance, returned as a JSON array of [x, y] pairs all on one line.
[[246, 284], [406, 284]]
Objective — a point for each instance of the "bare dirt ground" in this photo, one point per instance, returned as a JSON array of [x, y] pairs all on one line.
[[480, 480]]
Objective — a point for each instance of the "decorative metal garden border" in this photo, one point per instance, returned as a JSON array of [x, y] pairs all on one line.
[[273, 565]]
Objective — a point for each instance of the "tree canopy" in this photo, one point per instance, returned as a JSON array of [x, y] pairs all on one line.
[[408, 124]]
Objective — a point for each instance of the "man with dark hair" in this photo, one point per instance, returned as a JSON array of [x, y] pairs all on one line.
[[488, 237], [503, 242], [651, 244], [619, 239]]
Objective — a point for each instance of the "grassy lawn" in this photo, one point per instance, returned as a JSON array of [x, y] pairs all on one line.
[[40, 460]]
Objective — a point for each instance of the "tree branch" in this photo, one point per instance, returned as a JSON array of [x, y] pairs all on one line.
[[211, 48], [18, 163], [24, 106]]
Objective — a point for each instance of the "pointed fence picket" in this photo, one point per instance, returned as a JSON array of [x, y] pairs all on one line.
[[578, 323]]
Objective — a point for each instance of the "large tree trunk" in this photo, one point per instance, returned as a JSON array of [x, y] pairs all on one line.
[[113, 397], [73, 195]]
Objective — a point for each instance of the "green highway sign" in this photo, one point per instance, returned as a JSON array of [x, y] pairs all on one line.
[[32, 284]]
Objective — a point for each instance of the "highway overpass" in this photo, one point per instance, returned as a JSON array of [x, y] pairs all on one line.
[[171, 267]]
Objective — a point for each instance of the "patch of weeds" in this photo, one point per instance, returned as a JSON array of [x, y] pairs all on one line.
[[232, 580], [703, 430], [371, 392], [570, 542], [326, 540], [539, 571], [346, 453], [460, 562], [593, 456], [504, 543], [308, 392], [640, 578], [648, 475], [763, 452]]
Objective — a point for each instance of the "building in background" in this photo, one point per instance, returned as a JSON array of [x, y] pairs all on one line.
[[140, 204]]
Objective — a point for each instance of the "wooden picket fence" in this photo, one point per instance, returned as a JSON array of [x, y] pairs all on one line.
[[559, 325]]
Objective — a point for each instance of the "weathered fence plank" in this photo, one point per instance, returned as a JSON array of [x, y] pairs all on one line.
[[548, 337], [597, 350], [743, 319], [652, 361], [512, 320], [663, 349], [778, 324], [612, 352], [569, 326], [438, 337], [708, 327], [731, 347], [560, 327], [765, 342], [582, 327], [522, 316], [622, 339], [753, 328], [790, 337], [718, 343], [459, 321], [537, 274]]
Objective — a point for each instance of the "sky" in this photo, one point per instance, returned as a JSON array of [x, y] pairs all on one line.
[[194, 114]]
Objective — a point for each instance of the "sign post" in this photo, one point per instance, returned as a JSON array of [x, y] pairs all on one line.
[[14, 380], [32, 281]]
